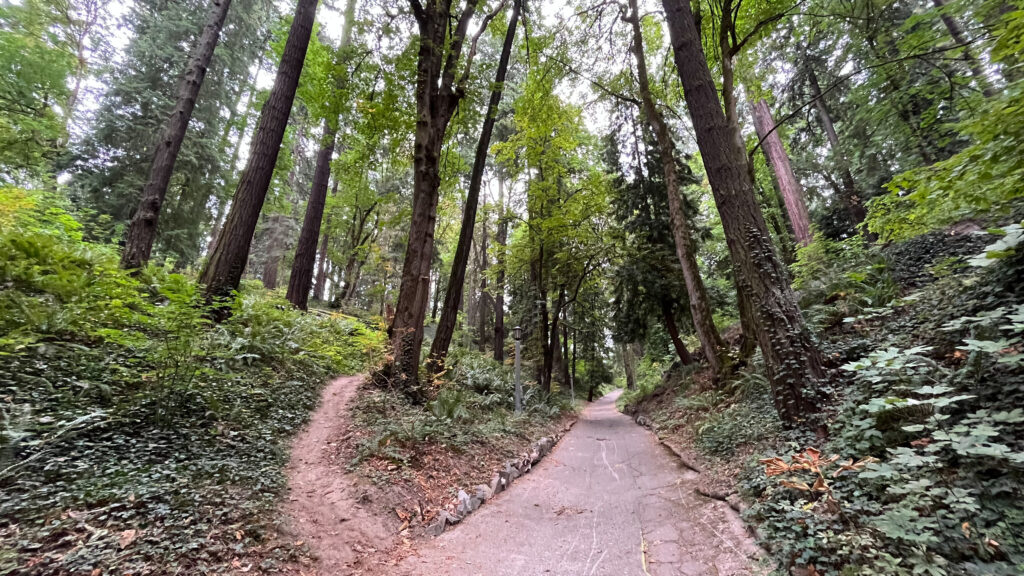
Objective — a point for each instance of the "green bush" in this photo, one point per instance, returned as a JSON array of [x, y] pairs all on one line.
[[984, 180], [126, 412], [751, 418], [940, 496], [840, 279]]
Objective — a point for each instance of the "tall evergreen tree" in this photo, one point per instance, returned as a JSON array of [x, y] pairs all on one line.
[[457, 278], [791, 356], [223, 270], [142, 231], [301, 280]]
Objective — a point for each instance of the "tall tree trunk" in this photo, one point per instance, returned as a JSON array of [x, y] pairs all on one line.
[[437, 96], [792, 359], [551, 347], [700, 304], [672, 328], [223, 270], [482, 313], [501, 237], [275, 248], [142, 230], [301, 279], [453, 296], [325, 240], [566, 358], [572, 363], [973, 64], [778, 159], [230, 167], [850, 198], [628, 365]]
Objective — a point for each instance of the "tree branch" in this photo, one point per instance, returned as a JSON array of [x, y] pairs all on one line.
[[458, 39], [418, 11], [845, 77], [476, 38]]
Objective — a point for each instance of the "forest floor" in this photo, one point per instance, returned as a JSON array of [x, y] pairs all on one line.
[[608, 500]]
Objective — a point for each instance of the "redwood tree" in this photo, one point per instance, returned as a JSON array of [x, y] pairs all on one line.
[[457, 277], [778, 159], [142, 230], [792, 359], [223, 270]]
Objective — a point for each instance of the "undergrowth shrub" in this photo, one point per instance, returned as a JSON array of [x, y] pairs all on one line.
[[751, 417], [840, 279], [134, 436], [935, 442], [472, 406]]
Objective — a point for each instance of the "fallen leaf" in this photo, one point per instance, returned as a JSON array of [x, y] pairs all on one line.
[[127, 537]]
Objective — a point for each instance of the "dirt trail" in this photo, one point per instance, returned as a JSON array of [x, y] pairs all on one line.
[[324, 501], [609, 500]]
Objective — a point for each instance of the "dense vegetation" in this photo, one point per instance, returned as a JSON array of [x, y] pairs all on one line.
[[791, 230]]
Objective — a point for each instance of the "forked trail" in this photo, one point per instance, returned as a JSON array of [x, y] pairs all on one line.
[[609, 500]]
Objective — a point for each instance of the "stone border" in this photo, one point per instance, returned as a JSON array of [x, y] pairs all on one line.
[[463, 505]]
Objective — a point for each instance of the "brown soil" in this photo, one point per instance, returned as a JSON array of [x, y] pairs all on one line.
[[328, 509]]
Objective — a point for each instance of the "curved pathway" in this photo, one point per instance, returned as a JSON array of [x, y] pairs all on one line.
[[608, 500]]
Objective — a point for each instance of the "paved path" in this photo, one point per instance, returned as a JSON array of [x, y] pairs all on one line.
[[609, 500]]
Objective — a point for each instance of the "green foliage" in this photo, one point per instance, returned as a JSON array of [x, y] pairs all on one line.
[[984, 179], [126, 411], [940, 498], [474, 406], [35, 66], [838, 279]]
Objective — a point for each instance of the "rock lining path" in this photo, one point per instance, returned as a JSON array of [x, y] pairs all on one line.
[[609, 500]]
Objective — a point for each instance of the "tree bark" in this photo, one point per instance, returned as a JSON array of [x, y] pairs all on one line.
[[501, 237], [223, 271], [852, 201], [482, 313], [321, 275], [792, 359], [142, 229], [551, 347], [778, 159], [673, 331], [700, 304], [301, 279], [566, 376], [437, 96], [628, 365], [453, 296], [272, 263]]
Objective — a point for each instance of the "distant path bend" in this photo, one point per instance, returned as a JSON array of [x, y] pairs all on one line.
[[609, 500]]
